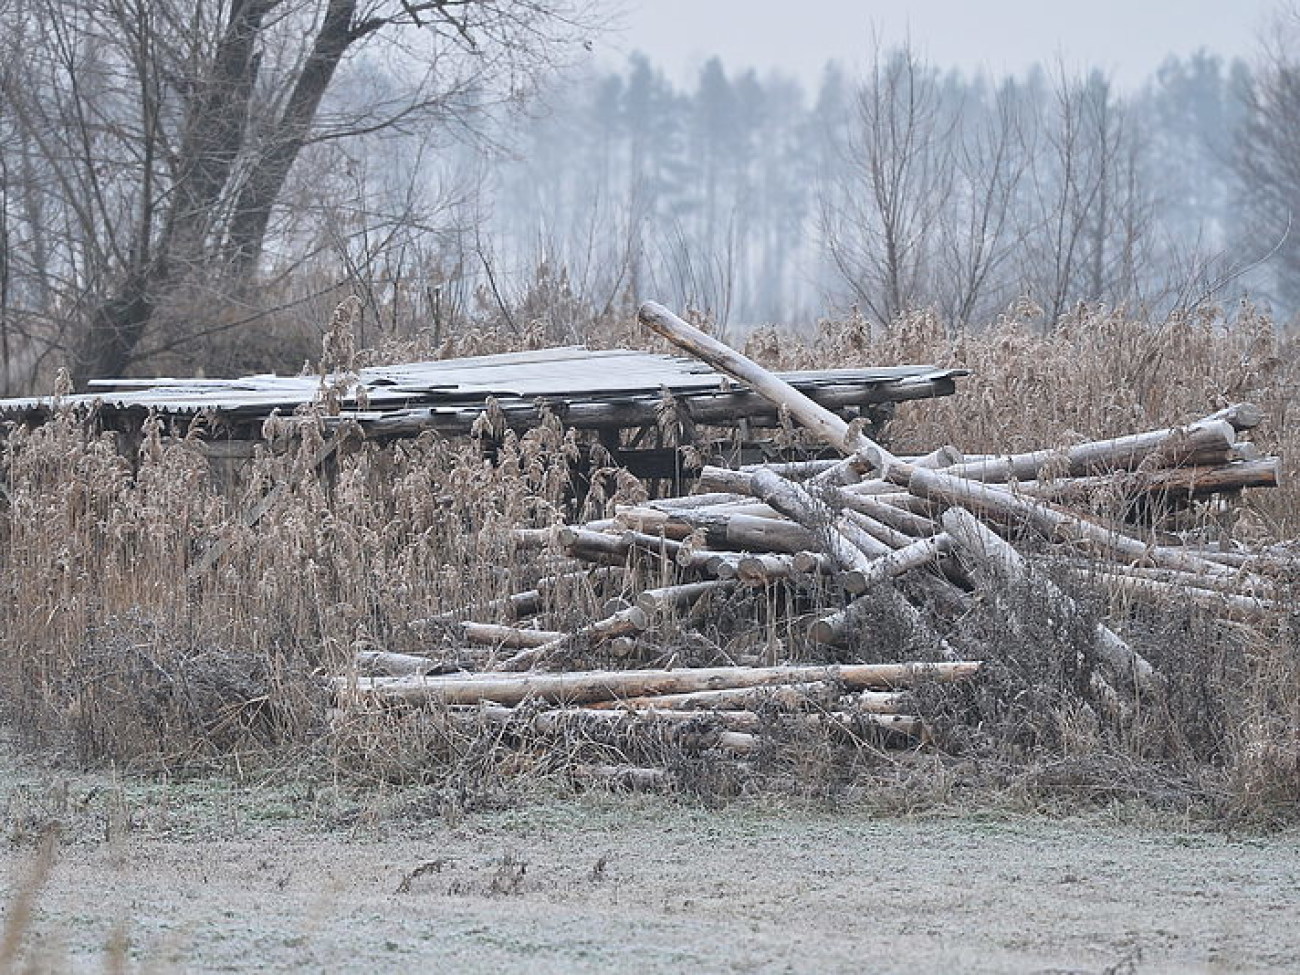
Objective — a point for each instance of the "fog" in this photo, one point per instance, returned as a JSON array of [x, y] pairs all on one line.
[[1126, 39]]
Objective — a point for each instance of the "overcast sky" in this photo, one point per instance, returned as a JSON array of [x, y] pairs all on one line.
[[1127, 38]]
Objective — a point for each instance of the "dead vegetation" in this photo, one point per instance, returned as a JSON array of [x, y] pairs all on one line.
[[115, 647]]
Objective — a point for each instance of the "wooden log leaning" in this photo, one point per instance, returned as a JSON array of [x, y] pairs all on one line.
[[829, 427], [579, 687], [1008, 570], [848, 544], [952, 490]]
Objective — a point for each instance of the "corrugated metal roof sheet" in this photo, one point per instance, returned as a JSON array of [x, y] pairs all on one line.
[[572, 373]]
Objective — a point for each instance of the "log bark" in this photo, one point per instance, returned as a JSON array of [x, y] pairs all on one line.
[[818, 694], [832, 429], [1231, 606], [523, 604], [396, 664], [578, 687], [841, 540], [1168, 447], [1180, 482], [764, 569], [732, 731]]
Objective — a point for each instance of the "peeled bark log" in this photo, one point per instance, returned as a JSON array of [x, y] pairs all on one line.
[[818, 694], [847, 627], [1167, 447], [522, 604], [577, 687], [622, 623], [1244, 609], [832, 429], [733, 731], [764, 569], [845, 547], [395, 664]]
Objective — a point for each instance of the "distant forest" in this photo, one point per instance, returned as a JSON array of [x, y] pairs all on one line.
[[753, 201], [190, 186]]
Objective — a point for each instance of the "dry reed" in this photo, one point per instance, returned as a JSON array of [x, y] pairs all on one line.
[[111, 643]]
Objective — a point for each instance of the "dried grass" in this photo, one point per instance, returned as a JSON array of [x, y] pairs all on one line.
[[109, 643]]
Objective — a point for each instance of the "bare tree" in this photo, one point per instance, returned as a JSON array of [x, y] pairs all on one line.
[[1090, 209], [981, 229], [881, 227], [166, 132], [1267, 162]]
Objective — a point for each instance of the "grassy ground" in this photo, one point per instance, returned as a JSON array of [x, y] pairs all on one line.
[[209, 876], [1040, 838]]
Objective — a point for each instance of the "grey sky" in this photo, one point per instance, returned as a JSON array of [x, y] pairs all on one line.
[[1127, 38]]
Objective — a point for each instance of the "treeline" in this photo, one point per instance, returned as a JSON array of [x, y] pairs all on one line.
[[748, 199], [190, 186]]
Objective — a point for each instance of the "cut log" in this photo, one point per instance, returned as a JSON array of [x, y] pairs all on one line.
[[853, 467], [655, 602], [622, 623], [720, 735], [626, 778], [512, 637], [1168, 447], [829, 427], [819, 694], [1051, 522], [897, 518], [733, 731], [921, 552], [521, 605], [722, 531], [844, 546], [1234, 586], [577, 687], [396, 664], [1244, 609], [1174, 482], [1008, 570], [764, 569]]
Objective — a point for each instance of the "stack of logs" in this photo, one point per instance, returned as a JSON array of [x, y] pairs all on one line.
[[852, 525]]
